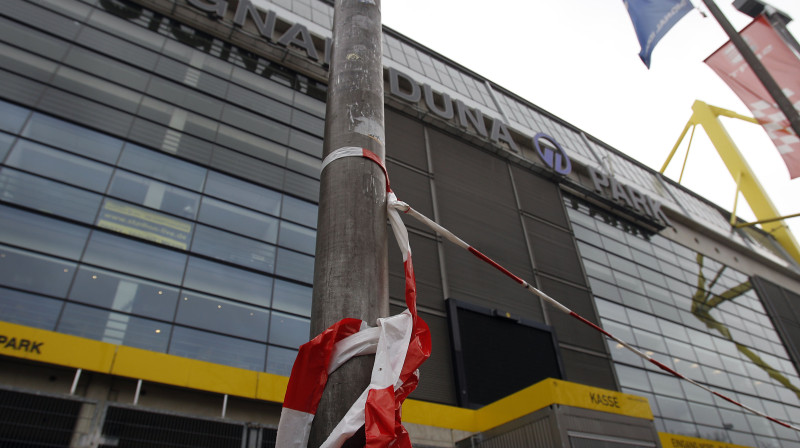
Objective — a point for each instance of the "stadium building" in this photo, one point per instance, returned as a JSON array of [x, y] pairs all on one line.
[[159, 181]]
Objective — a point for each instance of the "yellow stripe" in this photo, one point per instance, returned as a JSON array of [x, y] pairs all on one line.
[[88, 354]]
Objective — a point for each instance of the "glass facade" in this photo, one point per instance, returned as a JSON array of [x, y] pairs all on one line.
[[699, 316], [144, 195]]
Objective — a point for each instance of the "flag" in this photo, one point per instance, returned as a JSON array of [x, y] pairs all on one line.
[[783, 65], [652, 19]]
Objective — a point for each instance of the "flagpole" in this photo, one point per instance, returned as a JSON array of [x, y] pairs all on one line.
[[758, 68], [351, 264]]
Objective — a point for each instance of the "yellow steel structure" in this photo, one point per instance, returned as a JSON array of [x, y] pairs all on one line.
[[746, 181]]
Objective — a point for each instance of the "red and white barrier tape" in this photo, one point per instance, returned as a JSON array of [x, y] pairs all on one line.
[[405, 208], [401, 343]]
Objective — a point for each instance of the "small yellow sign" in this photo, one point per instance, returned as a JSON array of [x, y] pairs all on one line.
[[676, 441]]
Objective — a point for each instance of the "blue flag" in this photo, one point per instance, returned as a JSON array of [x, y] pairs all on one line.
[[652, 19]]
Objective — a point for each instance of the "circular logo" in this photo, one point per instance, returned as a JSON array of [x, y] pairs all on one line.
[[558, 161]]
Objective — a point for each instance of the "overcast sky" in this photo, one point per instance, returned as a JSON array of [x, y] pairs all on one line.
[[578, 59]]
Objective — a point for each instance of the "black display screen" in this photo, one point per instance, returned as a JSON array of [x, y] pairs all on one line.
[[496, 354]]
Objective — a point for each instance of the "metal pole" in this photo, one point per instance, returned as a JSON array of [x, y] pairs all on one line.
[[350, 270], [758, 68]]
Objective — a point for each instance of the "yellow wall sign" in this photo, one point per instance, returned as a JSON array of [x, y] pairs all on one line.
[[676, 441], [62, 349], [146, 224]]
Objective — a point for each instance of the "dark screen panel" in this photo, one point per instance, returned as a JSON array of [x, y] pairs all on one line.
[[496, 355]]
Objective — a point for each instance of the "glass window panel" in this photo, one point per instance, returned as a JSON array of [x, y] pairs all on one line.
[[29, 309], [243, 193], [123, 293], [297, 237], [114, 328], [280, 360], [621, 354], [48, 196], [289, 331], [59, 165], [666, 385], [40, 233], [12, 117], [295, 266], [35, 273], [134, 257], [163, 167], [634, 300], [154, 194], [649, 342], [239, 220], [5, 145], [218, 349], [310, 166], [633, 377], [227, 281], [292, 297], [299, 211], [673, 408], [642, 320], [599, 271], [678, 349], [73, 138], [146, 224], [223, 316], [234, 249], [611, 310]]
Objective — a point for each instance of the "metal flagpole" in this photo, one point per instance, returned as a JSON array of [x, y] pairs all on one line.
[[758, 68], [351, 270]]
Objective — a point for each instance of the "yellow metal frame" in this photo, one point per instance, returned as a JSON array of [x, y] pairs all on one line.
[[765, 211], [88, 354]]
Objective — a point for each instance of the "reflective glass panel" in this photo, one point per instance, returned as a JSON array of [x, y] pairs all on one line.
[[292, 297], [280, 360], [295, 266], [163, 167], [73, 138], [289, 331], [133, 257], [48, 196], [217, 348], [222, 316], [29, 309], [123, 293], [59, 165], [239, 220], [35, 273], [243, 193], [153, 194], [228, 281], [297, 237], [299, 211], [12, 117], [40, 233], [234, 249], [114, 328]]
